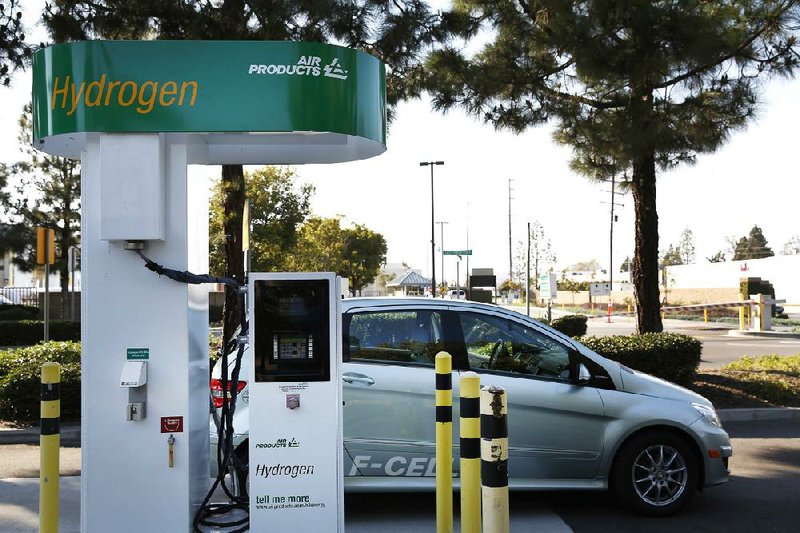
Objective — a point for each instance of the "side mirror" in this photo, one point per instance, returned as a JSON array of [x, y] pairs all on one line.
[[584, 376]]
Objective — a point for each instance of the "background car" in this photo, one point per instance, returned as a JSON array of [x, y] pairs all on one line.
[[576, 420]]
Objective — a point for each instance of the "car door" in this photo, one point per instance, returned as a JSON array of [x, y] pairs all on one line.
[[555, 426], [389, 385]]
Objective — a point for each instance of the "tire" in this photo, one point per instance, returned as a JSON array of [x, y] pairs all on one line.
[[655, 473], [240, 482]]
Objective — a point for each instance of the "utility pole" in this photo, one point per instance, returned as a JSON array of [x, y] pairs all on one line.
[[510, 259], [611, 244], [468, 283], [528, 275], [441, 243]]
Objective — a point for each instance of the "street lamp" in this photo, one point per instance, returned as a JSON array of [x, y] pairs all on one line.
[[433, 227]]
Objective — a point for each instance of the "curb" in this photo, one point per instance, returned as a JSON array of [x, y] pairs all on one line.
[[759, 413], [70, 435], [764, 334]]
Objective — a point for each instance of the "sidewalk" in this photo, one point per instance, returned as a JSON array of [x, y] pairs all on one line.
[[19, 503]]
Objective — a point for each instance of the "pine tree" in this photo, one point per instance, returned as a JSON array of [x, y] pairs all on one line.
[[14, 51], [635, 85], [754, 246]]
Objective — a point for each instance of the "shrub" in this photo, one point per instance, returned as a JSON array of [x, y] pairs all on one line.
[[571, 325], [20, 380], [18, 312], [669, 356], [28, 332]]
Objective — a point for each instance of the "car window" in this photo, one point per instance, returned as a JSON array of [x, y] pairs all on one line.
[[395, 336], [499, 344]]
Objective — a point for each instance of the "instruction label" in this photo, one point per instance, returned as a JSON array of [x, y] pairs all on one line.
[[138, 354]]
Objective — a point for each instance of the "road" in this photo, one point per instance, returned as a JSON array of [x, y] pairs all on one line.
[[719, 348], [761, 496]]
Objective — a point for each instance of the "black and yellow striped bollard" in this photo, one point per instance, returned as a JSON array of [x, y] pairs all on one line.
[[444, 443], [49, 445], [470, 461], [494, 460]]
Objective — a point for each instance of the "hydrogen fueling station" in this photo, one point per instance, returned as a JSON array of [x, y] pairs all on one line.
[[137, 114]]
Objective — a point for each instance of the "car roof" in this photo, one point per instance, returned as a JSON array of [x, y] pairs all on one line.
[[362, 303]]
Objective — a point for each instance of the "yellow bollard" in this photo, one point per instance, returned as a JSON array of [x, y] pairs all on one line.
[[49, 444], [494, 460], [705, 315], [470, 433], [444, 443]]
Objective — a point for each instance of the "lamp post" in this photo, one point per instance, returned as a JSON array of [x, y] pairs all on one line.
[[433, 227]]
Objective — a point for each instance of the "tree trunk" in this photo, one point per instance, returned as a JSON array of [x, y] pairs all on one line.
[[233, 207], [645, 264]]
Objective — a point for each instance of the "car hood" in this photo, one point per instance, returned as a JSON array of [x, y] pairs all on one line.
[[637, 382]]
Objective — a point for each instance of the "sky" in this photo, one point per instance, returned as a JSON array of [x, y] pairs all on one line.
[[749, 181]]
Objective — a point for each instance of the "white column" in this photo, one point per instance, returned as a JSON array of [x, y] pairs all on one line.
[[127, 485]]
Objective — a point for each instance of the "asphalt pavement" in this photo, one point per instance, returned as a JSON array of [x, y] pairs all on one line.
[[761, 495]]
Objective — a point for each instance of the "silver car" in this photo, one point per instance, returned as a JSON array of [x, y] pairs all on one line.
[[576, 420]]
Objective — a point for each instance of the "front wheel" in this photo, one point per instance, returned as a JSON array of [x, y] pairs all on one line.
[[655, 474]]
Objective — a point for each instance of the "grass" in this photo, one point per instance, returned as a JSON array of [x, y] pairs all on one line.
[[766, 381]]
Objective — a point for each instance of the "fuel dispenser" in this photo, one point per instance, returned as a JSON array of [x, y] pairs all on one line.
[[295, 449]]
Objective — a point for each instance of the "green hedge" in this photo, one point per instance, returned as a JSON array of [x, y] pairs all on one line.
[[28, 332], [18, 312], [571, 325], [20, 380], [670, 356]]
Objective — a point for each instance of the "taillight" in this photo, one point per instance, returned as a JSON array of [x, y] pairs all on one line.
[[216, 390]]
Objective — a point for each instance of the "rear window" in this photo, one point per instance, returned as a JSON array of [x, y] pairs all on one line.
[[412, 337]]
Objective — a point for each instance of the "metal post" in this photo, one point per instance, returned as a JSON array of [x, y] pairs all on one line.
[[441, 243], [470, 452], [444, 443], [494, 460], [71, 269], [49, 445], [528, 275], [433, 238], [611, 252], [46, 290], [458, 275], [469, 285], [510, 260], [433, 244]]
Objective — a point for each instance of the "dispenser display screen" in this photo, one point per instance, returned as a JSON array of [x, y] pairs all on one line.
[[292, 330], [288, 346]]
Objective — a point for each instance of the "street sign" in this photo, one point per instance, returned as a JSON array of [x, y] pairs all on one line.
[[548, 288], [457, 252], [599, 288]]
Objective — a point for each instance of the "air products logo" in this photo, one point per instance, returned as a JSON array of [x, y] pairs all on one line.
[[305, 66]]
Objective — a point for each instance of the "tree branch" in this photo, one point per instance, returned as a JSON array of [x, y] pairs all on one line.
[[747, 42]]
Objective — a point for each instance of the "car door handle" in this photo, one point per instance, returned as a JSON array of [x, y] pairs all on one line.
[[361, 379]]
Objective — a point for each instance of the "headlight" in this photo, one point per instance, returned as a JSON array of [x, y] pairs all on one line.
[[708, 413]]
